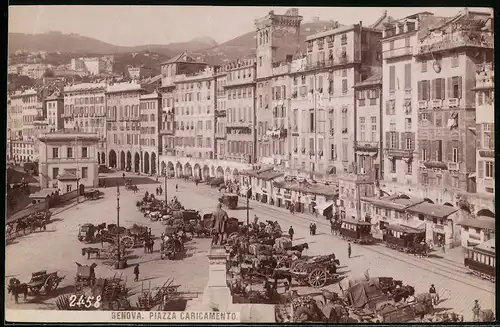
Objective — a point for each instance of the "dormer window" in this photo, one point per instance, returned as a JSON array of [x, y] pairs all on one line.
[[343, 39]]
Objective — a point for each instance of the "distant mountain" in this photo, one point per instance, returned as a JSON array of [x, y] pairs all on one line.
[[77, 44], [204, 48]]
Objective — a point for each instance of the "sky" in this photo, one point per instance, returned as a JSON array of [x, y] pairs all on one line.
[[141, 25]]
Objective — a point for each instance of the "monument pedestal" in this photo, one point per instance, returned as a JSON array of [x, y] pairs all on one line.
[[217, 293]]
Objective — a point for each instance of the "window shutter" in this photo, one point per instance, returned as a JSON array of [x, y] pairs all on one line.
[[480, 169], [412, 137], [460, 146], [407, 76], [403, 141], [429, 118], [432, 153], [443, 89], [428, 86], [387, 140], [397, 140], [479, 136], [419, 90], [460, 87], [392, 78], [449, 150], [433, 89]]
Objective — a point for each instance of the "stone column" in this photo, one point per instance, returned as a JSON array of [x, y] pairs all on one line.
[[217, 292]]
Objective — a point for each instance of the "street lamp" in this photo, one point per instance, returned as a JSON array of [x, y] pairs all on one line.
[[119, 263], [248, 208], [166, 199]]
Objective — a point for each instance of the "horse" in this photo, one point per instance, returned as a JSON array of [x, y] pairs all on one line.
[[89, 251], [15, 288], [21, 226], [403, 292], [8, 229], [299, 247], [135, 188]]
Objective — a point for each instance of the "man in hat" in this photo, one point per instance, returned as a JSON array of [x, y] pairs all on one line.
[[136, 273], [219, 222], [475, 310], [433, 293], [349, 251]]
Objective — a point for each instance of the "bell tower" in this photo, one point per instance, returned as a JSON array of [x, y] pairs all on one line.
[[278, 39]]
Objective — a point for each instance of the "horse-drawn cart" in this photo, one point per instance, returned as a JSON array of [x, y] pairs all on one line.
[[229, 200], [43, 280], [316, 271], [92, 194]]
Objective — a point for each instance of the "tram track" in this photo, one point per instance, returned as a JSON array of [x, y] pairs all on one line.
[[448, 270]]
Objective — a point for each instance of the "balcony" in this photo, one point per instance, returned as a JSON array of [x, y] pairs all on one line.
[[453, 103], [396, 53], [399, 153], [437, 104], [485, 77], [239, 124], [220, 136], [392, 95], [407, 94], [220, 113], [458, 39], [488, 182], [167, 131], [366, 146], [453, 166], [295, 130], [422, 104]]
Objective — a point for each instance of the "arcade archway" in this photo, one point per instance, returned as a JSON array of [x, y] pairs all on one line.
[[146, 163], [219, 172], [122, 160], [486, 213], [112, 158], [129, 161], [170, 169], [137, 162], [197, 171], [103, 158], [178, 169], [188, 171], [163, 168], [153, 163], [206, 172]]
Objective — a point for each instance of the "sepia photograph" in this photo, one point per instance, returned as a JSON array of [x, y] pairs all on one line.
[[217, 164]]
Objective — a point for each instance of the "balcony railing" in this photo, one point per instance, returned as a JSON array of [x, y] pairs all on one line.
[[368, 146], [437, 104], [455, 40], [453, 103], [399, 52], [422, 104], [453, 166]]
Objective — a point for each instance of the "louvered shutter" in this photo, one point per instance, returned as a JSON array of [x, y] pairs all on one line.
[[403, 141], [428, 86], [460, 87], [397, 140], [432, 153], [420, 91], [479, 136], [480, 169], [433, 89], [388, 140], [449, 150], [443, 89], [450, 87]]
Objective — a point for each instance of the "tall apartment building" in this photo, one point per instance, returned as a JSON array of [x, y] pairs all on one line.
[[85, 110], [150, 142], [124, 126], [54, 105], [323, 99], [92, 66], [400, 92], [278, 40], [195, 114], [240, 111], [369, 128], [446, 58], [221, 77], [178, 65]]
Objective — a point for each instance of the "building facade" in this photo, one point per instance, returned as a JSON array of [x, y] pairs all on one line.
[[369, 128], [447, 59], [240, 123], [69, 152], [221, 113], [123, 126], [85, 110], [54, 106], [278, 41], [150, 141]]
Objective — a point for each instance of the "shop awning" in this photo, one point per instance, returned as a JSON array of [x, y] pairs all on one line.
[[482, 223], [323, 206], [415, 224]]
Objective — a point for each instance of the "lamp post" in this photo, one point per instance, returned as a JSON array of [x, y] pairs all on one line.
[[248, 208], [166, 199], [119, 264]]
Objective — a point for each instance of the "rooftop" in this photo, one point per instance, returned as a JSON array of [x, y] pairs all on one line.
[[67, 177], [85, 87], [182, 57], [153, 95], [480, 222], [123, 87], [371, 81], [431, 209], [393, 202]]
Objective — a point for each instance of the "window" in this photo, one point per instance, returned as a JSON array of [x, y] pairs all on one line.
[[455, 154], [260, 61], [454, 60], [392, 78], [85, 172], [425, 155], [409, 144], [68, 188], [344, 152], [409, 168], [425, 179], [55, 173], [69, 152], [424, 66], [332, 152], [55, 152], [407, 42], [84, 152], [423, 90], [393, 165], [439, 180], [344, 86], [393, 140], [456, 87], [489, 169], [438, 86], [407, 76]]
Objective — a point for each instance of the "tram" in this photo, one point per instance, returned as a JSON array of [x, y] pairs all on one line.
[[481, 260]]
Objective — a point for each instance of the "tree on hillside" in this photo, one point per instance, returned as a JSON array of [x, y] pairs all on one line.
[[17, 82], [48, 73]]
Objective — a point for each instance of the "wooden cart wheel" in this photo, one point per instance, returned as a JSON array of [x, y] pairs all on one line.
[[281, 262], [295, 265], [50, 284], [127, 242], [170, 290]]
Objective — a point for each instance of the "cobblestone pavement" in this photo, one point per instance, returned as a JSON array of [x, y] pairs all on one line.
[[456, 287], [59, 248]]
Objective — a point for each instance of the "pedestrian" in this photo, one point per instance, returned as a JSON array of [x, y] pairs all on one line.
[[150, 232], [291, 232], [136, 273], [44, 225], [349, 251], [292, 209], [102, 239], [152, 245], [314, 229], [176, 187], [145, 246], [310, 229], [475, 310], [123, 175], [433, 293]]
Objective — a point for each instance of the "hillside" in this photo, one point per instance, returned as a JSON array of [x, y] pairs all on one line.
[[78, 44], [203, 48]]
